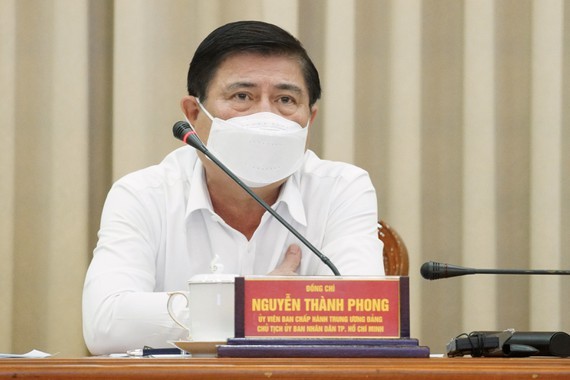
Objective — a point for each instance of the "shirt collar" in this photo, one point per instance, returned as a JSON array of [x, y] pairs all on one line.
[[199, 198], [291, 196]]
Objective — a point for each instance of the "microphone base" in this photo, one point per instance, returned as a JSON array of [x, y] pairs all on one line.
[[510, 343]]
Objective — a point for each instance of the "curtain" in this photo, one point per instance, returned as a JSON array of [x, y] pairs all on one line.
[[458, 109]]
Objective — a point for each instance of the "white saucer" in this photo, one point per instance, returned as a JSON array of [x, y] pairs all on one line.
[[198, 349]]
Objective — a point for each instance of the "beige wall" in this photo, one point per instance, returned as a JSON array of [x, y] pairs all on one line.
[[457, 108]]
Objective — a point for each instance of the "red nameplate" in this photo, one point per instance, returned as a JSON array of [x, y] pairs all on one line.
[[331, 307]]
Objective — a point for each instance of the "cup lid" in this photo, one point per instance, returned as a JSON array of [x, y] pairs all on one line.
[[212, 278]]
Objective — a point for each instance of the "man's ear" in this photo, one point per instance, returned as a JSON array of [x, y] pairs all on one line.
[[314, 110], [190, 107]]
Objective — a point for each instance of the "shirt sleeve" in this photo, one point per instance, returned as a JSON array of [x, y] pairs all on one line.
[[121, 309], [351, 236]]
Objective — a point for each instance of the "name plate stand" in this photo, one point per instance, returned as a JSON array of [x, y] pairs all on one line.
[[322, 317]]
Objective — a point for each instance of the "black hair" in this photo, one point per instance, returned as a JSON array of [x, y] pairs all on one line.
[[247, 37]]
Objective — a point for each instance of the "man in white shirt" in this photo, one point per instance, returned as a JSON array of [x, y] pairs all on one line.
[[252, 96]]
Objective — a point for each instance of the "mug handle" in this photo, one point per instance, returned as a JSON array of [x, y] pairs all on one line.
[[171, 296]]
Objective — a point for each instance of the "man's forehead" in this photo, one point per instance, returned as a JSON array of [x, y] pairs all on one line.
[[250, 70]]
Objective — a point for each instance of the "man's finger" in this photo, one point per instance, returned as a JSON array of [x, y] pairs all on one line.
[[290, 263]]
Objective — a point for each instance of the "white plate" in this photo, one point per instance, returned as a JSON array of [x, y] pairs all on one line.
[[198, 349]]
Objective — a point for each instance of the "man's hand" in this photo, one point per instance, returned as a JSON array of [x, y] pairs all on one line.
[[290, 263]]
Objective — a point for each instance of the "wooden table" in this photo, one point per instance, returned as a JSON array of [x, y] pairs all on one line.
[[306, 368]]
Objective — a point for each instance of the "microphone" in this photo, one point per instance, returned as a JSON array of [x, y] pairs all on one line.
[[183, 131], [434, 271]]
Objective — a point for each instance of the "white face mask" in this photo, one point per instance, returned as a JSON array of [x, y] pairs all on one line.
[[261, 148]]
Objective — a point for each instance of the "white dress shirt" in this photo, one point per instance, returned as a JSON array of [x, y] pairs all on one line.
[[158, 229]]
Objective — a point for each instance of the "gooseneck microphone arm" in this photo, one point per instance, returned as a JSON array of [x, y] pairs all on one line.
[[183, 131], [434, 271]]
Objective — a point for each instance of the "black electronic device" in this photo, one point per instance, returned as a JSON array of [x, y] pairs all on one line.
[[510, 343]]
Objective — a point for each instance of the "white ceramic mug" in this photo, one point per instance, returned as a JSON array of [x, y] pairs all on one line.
[[210, 300]]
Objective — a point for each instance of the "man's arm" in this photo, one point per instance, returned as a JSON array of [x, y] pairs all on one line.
[[351, 238], [121, 309]]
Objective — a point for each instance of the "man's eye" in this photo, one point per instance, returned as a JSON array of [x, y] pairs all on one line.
[[241, 96], [287, 100]]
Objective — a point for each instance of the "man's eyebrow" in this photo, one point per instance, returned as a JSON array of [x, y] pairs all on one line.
[[290, 87], [281, 86], [237, 85]]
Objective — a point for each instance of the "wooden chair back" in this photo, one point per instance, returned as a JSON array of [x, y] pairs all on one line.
[[395, 254]]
